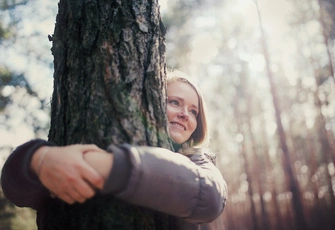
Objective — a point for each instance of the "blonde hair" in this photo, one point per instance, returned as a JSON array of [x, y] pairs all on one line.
[[200, 137]]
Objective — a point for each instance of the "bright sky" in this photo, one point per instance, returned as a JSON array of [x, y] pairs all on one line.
[[274, 18]]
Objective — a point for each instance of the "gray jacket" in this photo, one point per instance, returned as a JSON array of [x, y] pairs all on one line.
[[190, 188]]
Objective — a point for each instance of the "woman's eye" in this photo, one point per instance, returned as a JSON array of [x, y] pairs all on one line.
[[174, 102], [195, 113]]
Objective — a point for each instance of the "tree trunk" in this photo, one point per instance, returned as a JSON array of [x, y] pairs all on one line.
[[271, 177], [326, 39], [247, 167], [109, 88], [293, 186], [257, 165], [328, 153]]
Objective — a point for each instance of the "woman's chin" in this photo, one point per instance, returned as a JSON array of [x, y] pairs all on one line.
[[177, 139]]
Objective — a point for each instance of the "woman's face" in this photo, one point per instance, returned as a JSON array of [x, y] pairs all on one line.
[[182, 110]]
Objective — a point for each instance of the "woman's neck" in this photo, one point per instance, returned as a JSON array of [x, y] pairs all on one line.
[[176, 146]]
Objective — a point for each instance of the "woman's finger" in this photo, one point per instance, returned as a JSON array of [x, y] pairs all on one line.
[[66, 198], [77, 196], [84, 189]]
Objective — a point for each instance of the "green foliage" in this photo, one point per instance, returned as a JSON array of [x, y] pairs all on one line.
[[8, 78], [20, 99], [14, 218], [10, 84], [7, 212], [5, 33], [10, 4], [7, 11], [5, 76]]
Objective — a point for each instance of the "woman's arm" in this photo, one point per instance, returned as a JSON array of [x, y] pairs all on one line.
[[27, 180], [190, 188]]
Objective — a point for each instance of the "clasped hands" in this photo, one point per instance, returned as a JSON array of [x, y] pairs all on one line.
[[72, 173]]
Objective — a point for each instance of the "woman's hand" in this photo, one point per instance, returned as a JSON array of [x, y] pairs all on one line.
[[101, 161], [65, 173]]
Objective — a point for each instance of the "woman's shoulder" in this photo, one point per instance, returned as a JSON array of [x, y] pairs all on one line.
[[199, 154], [210, 155]]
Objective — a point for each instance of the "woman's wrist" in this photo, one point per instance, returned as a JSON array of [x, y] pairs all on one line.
[[38, 158], [102, 162]]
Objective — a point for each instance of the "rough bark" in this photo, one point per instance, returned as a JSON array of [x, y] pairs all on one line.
[[109, 88]]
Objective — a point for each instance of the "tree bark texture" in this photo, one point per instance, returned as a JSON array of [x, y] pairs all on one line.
[[109, 88]]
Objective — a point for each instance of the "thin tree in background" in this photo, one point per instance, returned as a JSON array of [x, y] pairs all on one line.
[[326, 39], [292, 182], [109, 88], [317, 216], [247, 165], [257, 162], [270, 175], [327, 147]]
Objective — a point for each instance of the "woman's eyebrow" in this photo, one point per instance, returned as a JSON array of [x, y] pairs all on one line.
[[195, 107], [179, 98]]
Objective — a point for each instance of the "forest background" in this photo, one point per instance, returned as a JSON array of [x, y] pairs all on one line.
[[266, 70]]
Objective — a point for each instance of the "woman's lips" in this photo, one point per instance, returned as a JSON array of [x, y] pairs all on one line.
[[178, 125]]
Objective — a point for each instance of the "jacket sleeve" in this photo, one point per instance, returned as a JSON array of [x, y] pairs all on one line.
[[191, 188], [19, 184]]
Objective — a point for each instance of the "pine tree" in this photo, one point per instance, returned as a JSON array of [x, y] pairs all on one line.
[[109, 88]]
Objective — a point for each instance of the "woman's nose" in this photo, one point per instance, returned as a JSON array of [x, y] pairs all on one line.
[[183, 114]]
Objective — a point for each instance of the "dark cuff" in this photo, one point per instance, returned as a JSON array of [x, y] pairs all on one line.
[[18, 163], [35, 145], [20, 185], [118, 177]]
